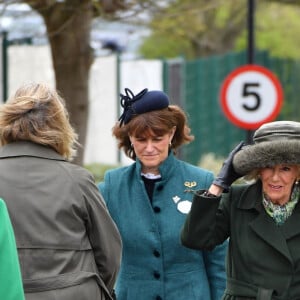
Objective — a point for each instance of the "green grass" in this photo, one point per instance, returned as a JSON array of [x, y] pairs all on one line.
[[98, 170]]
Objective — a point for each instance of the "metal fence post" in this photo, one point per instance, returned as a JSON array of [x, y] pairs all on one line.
[[4, 53]]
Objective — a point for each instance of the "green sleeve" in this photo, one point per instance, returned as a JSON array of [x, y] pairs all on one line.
[[11, 287]]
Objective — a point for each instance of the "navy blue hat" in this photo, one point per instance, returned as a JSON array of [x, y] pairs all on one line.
[[143, 102]]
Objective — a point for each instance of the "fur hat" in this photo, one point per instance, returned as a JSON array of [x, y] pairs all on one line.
[[274, 143], [144, 101]]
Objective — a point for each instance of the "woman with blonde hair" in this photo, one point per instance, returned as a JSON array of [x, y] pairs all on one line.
[[68, 245]]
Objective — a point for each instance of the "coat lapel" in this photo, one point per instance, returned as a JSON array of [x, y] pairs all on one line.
[[291, 227], [266, 228]]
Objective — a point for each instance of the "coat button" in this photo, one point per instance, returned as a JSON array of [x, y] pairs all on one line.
[[156, 209], [156, 274], [158, 298], [160, 188], [156, 253]]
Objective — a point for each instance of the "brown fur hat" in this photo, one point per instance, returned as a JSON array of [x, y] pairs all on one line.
[[274, 143]]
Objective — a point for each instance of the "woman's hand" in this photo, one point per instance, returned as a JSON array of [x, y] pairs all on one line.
[[227, 174], [215, 190]]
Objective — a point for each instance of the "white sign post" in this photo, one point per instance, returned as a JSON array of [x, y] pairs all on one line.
[[250, 96]]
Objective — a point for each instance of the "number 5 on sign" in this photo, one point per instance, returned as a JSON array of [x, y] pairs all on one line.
[[250, 96]]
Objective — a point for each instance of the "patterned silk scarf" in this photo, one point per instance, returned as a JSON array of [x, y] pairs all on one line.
[[280, 213]]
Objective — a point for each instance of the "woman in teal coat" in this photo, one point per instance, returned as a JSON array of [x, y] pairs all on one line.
[[262, 218], [11, 287], [149, 201]]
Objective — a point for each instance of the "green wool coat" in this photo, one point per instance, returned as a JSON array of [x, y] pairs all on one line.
[[264, 259], [11, 287], [155, 266]]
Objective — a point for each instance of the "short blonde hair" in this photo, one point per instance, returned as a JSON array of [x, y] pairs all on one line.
[[38, 114]]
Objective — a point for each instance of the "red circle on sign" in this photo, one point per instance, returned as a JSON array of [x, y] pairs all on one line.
[[232, 86]]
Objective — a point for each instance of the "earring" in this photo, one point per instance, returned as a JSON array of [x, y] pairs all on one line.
[[297, 182]]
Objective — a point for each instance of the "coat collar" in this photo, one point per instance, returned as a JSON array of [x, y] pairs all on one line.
[[263, 225], [26, 148], [166, 167]]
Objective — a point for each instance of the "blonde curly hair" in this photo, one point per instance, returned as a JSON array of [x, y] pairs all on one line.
[[37, 113]]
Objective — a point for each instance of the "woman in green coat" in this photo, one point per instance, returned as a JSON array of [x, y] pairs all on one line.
[[261, 219], [11, 287]]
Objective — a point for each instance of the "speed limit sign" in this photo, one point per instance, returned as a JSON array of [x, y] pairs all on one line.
[[250, 96]]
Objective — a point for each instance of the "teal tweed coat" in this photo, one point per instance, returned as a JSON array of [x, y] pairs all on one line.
[[264, 259], [155, 266]]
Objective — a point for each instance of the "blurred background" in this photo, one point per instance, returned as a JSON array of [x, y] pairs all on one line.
[[91, 50]]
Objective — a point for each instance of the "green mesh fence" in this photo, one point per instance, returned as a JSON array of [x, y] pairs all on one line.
[[201, 81]]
